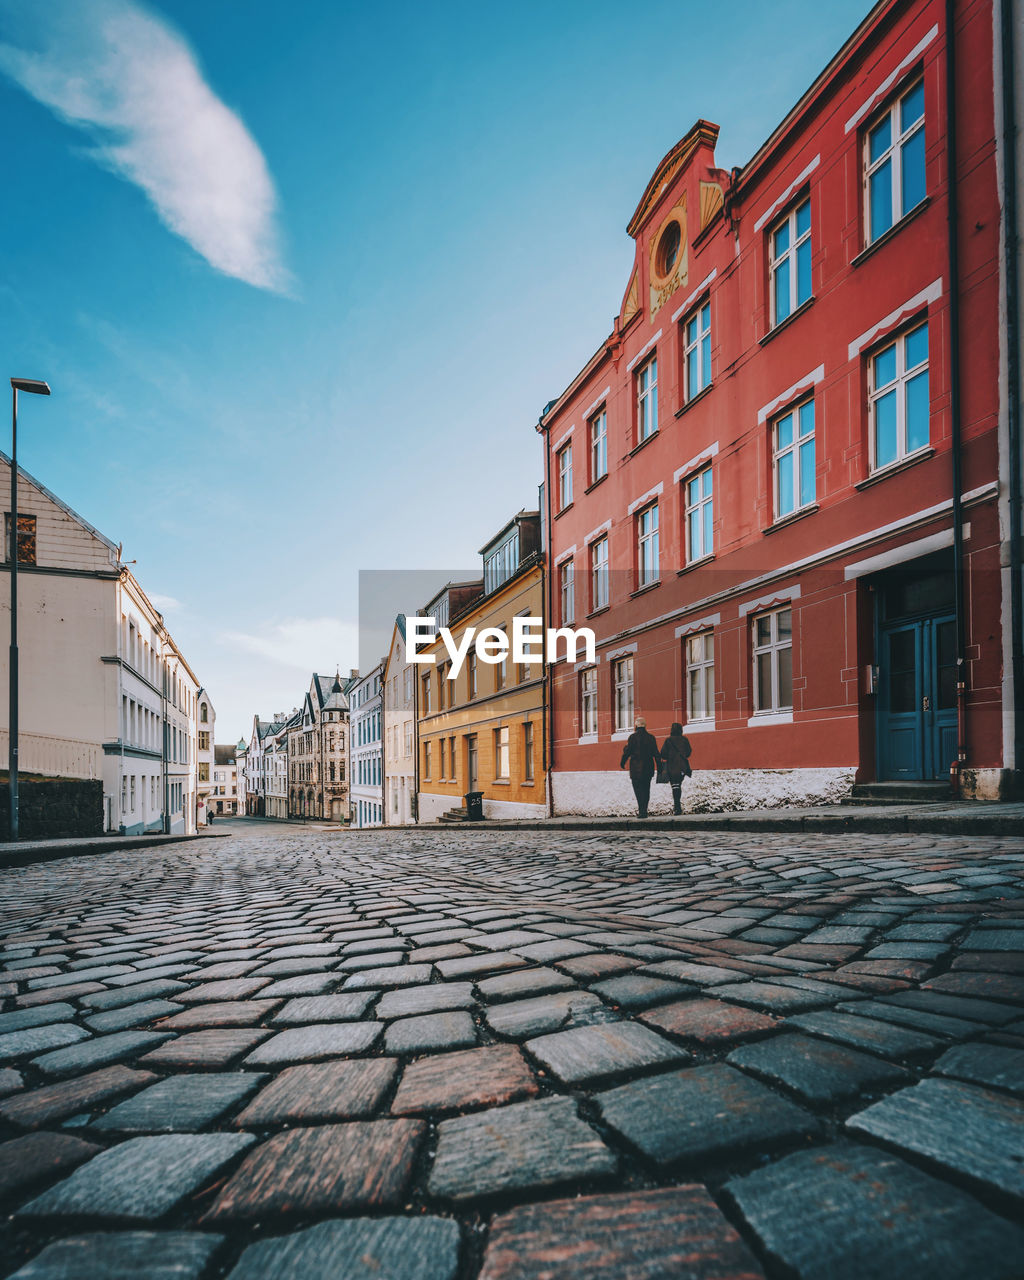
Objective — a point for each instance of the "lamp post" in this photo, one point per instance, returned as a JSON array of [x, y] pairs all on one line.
[[38, 389]]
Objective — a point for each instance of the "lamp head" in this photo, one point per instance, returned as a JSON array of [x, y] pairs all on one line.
[[30, 384]]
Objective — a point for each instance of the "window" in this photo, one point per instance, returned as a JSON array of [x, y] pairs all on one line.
[[647, 546], [697, 351], [894, 162], [622, 683], [133, 793], [471, 673], [567, 592], [451, 756], [773, 661], [564, 477], [793, 459], [501, 668], [501, 753], [425, 683], [204, 771], [408, 738], [204, 739], [598, 446], [443, 689], [442, 759], [789, 255], [588, 701], [26, 538], [204, 714], [501, 563], [599, 573], [528, 751], [699, 506], [647, 400], [700, 676], [898, 398], [408, 684]]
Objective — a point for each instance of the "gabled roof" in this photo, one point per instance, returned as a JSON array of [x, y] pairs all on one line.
[[68, 511]]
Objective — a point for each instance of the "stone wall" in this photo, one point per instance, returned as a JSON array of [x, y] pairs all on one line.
[[51, 808], [607, 794]]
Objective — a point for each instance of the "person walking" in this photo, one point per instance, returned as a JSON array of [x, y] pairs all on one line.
[[641, 752], [675, 755]]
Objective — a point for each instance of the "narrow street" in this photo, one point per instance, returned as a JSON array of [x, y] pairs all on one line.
[[437, 1055]]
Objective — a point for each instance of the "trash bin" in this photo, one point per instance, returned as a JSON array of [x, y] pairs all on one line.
[[474, 805]]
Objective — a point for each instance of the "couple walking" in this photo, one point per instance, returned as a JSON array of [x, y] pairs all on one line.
[[641, 751]]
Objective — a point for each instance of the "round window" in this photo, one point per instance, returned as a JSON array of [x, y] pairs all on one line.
[[668, 248]]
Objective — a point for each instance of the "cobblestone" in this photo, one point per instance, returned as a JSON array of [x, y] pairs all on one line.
[[243, 991]]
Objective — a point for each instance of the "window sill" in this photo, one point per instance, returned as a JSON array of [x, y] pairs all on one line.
[[620, 735], [784, 324], [596, 613], [699, 726], [600, 480], [894, 230], [643, 443], [529, 782], [695, 564], [559, 514], [764, 718], [893, 468], [501, 782], [641, 591], [792, 518], [694, 400], [587, 740]]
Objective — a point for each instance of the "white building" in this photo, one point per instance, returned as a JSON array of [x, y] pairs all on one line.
[[224, 795], [399, 731], [241, 752], [105, 693], [206, 720], [367, 766]]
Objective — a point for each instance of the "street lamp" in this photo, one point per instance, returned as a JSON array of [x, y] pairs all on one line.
[[38, 389]]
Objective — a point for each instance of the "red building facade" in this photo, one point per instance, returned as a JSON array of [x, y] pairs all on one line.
[[751, 485]]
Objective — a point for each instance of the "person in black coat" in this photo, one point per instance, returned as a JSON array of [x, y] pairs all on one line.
[[641, 751], [675, 755]]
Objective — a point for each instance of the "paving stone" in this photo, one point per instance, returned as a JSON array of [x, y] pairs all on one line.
[[994, 1065], [361, 1249], [932, 1024], [698, 975], [135, 977], [11, 1081], [841, 933], [307, 984], [555, 949], [447, 951], [907, 951], [505, 939], [338, 1168], [318, 1040], [321, 1091], [225, 1013], [521, 1018], [816, 1070], [885, 1038], [55, 1102], [587, 1054], [922, 932], [39, 1016], [975, 1133], [674, 1234], [848, 1212], [701, 1113], [709, 1022], [432, 1031], [99, 973], [973, 1010], [374, 960], [181, 1104], [598, 964], [995, 940], [775, 997], [397, 975], [227, 989], [528, 1145], [434, 998], [638, 990], [487, 1077], [98, 1052], [474, 966], [124, 1255], [33, 1040], [524, 982], [39, 1157], [132, 1015], [141, 1179], [341, 1007], [990, 986], [211, 1050], [157, 990]]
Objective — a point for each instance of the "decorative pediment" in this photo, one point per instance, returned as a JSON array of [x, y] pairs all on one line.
[[631, 305], [711, 200], [703, 133]]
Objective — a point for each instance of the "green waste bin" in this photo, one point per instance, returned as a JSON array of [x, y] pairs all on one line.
[[474, 805]]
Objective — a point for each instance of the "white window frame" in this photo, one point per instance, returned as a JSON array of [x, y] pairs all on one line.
[[771, 704], [564, 456], [599, 579], [567, 591], [528, 745], [699, 657], [700, 346], [622, 688], [706, 547], [790, 255], [648, 567], [797, 443], [588, 701], [598, 430], [899, 384], [899, 138], [647, 399], [501, 754]]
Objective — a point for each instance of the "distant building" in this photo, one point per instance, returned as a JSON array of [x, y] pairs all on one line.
[[317, 752], [366, 712], [224, 795], [206, 719], [399, 731]]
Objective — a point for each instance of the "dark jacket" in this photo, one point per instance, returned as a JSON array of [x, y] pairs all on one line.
[[641, 750], [676, 754]]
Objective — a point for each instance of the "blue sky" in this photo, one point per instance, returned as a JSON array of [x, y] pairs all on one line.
[[303, 276]]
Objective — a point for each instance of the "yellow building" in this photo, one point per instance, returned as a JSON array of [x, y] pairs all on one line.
[[484, 730]]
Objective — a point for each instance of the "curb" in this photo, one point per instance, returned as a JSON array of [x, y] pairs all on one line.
[[26, 852]]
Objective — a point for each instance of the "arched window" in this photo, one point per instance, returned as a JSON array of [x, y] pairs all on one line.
[[203, 714]]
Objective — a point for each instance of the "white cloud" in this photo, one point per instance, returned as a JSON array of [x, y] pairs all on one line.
[[166, 604], [121, 73], [306, 644]]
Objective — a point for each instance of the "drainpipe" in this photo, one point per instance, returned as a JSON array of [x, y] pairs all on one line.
[[953, 224], [549, 698], [1007, 33]]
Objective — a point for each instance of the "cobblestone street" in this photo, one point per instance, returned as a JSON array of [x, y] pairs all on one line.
[[429, 1055]]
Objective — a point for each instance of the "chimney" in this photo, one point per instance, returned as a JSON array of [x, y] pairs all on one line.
[[354, 673]]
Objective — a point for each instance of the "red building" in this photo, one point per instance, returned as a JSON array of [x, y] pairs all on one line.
[[774, 491]]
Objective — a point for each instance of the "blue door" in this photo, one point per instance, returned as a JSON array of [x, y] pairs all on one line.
[[917, 699]]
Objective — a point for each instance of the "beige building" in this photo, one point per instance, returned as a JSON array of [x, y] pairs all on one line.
[[224, 795], [205, 721], [399, 731], [318, 783]]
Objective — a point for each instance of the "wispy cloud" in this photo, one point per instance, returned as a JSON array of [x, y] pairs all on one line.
[[121, 73], [307, 644], [166, 604]]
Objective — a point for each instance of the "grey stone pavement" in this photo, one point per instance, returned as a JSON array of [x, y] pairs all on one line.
[[611, 1054]]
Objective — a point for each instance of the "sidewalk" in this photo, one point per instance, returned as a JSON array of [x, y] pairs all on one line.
[[22, 852]]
